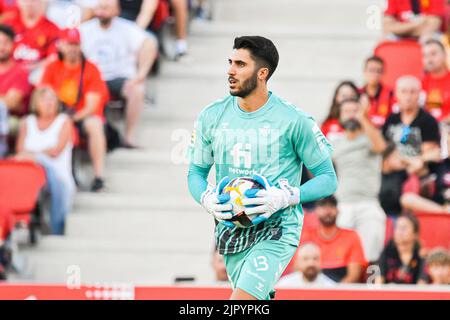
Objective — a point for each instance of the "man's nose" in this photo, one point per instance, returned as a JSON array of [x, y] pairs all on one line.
[[231, 70]]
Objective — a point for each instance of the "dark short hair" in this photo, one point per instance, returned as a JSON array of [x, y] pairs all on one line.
[[7, 31], [330, 200], [376, 59], [262, 50], [436, 42]]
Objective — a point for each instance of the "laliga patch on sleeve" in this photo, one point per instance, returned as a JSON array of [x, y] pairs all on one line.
[[320, 138], [193, 136]]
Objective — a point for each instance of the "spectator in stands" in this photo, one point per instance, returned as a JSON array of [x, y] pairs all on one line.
[[46, 137], [394, 175], [14, 88], [8, 9], [414, 131], [139, 11], [379, 95], [437, 268], [84, 94], [433, 194], [436, 80], [416, 136], [306, 269], [218, 264], [414, 19], [357, 156], [35, 36], [400, 261], [331, 127], [341, 249], [181, 12], [124, 54]]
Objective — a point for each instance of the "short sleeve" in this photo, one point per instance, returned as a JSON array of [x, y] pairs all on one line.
[[136, 37], [47, 76], [311, 146], [356, 254], [93, 80], [200, 145], [430, 130]]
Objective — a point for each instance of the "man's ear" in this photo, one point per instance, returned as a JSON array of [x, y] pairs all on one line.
[[263, 74]]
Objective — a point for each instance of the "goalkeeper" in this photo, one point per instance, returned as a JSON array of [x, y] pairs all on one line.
[[252, 132]]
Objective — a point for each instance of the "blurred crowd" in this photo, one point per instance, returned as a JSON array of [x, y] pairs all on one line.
[[62, 64], [391, 155]]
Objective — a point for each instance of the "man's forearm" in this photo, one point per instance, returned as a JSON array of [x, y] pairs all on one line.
[[197, 181], [145, 16], [399, 28], [376, 138], [353, 273], [322, 185]]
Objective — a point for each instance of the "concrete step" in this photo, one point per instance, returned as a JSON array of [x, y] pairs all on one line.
[[114, 261], [157, 230]]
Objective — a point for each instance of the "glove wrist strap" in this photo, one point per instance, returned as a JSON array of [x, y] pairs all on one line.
[[292, 192], [209, 190]]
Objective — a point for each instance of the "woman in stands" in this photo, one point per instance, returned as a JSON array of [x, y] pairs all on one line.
[[400, 261], [344, 91], [46, 137]]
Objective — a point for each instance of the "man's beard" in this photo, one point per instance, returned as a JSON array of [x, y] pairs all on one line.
[[310, 273], [105, 21], [5, 58], [327, 221], [351, 125], [248, 86]]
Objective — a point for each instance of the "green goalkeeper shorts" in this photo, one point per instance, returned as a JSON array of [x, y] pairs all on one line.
[[257, 269]]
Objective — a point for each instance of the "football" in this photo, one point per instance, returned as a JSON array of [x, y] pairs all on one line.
[[236, 190]]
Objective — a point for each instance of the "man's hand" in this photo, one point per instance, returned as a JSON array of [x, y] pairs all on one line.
[[269, 200], [215, 203], [414, 165]]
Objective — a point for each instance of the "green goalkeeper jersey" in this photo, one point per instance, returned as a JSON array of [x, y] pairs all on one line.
[[273, 141]]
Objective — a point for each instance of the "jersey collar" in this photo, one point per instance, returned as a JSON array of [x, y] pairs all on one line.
[[244, 114]]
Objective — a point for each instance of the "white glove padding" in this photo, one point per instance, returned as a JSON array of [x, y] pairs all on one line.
[[271, 199], [215, 203]]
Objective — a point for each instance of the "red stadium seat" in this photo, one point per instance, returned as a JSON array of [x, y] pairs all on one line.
[[20, 185], [434, 229], [401, 58], [161, 14]]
